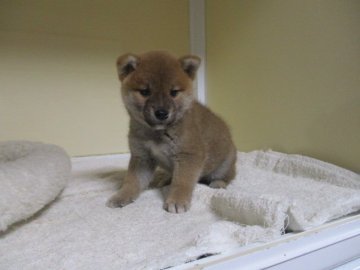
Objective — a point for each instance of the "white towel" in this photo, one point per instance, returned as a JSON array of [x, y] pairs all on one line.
[[311, 192], [32, 174], [272, 191]]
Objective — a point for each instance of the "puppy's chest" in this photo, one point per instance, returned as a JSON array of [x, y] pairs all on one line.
[[162, 151]]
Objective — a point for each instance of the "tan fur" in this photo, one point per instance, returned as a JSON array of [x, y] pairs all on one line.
[[190, 142]]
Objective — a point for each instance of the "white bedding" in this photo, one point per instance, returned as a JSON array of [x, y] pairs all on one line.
[[32, 174], [272, 192]]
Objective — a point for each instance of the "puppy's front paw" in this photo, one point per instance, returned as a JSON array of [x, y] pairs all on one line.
[[121, 199], [178, 206]]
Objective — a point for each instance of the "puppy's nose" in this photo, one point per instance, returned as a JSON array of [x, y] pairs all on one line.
[[161, 114]]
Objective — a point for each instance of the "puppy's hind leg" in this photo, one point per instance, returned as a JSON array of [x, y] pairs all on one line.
[[161, 178], [218, 184], [223, 175]]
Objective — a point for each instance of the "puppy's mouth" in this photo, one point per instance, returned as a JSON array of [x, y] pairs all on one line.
[[156, 125], [159, 127]]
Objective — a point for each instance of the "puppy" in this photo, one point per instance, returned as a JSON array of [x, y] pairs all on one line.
[[170, 129]]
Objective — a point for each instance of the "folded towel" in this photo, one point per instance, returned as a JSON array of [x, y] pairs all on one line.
[[310, 192], [31, 175]]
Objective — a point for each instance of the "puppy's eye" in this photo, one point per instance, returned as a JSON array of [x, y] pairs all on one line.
[[145, 92], [174, 93]]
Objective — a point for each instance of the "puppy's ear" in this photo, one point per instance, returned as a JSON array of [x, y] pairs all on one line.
[[190, 65], [126, 64]]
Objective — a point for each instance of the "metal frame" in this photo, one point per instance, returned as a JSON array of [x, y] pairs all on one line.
[[198, 43]]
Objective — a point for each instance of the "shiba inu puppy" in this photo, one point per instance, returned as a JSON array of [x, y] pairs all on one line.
[[170, 129]]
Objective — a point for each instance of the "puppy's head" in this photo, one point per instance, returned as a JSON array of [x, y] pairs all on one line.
[[157, 87]]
